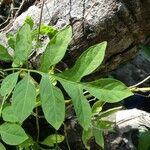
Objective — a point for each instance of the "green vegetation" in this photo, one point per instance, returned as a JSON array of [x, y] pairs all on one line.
[[22, 94]]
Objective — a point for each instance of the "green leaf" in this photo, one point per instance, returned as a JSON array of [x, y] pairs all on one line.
[[109, 112], [103, 124], [2, 147], [11, 40], [56, 49], [4, 55], [86, 136], [12, 134], [81, 105], [98, 134], [23, 46], [8, 84], [8, 114], [29, 21], [44, 29], [144, 143], [108, 90], [26, 144], [97, 106], [24, 98], [51, 140], [87, 62], [53, 104]]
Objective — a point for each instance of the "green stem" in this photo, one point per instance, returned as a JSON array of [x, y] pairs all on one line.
[[56, 139], [145, 89], [23, 69]]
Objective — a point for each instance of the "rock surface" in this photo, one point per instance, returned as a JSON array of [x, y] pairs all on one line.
[[122, 23]]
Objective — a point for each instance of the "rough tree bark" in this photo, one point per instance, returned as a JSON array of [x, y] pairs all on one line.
[[122, 23]]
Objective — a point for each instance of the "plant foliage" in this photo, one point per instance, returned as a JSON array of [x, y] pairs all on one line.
[[21, 93]]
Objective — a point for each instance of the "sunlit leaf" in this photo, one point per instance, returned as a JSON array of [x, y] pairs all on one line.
[[29, 21], [87, 62], [97, 106], [56, 49], [103, 124], [52, 139], [45, 30]]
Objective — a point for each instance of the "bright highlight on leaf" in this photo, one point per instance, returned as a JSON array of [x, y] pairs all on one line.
[[24, 98], [53, 104], [51, 140], [12, 134]]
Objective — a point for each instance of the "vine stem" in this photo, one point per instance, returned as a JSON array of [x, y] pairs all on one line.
[[66, 137], [40, 21], [37, 125], [23, 69], [135, 89], [141, 82]]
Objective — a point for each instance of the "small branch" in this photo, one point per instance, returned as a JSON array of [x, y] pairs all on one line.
[[37, 124], [141, 82], [135, 89], [40, 21], [66, 137], [19, 9]]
